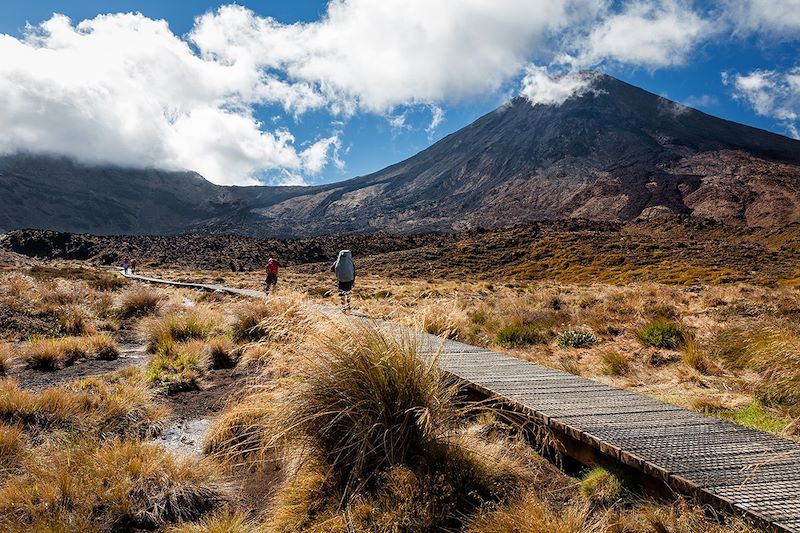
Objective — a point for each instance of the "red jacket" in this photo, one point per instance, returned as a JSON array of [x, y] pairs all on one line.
[[272, 266]]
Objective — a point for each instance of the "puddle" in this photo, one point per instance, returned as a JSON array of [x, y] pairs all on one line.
[[186, 436]]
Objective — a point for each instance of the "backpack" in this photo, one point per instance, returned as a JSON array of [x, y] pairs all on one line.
[[272, 266]]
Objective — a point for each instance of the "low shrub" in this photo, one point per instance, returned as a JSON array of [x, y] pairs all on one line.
[[576, 338], [517, 335], [662, 334]]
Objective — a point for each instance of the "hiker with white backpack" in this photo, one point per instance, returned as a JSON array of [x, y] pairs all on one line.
[[345, 276]]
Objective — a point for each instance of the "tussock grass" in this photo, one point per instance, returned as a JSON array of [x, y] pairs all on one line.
[[7, 358], [163, 332], [74, 321], [242, 435], [615, 364], [773, 352], [13, 449], [364, 404], [222, 353], [662, 334], [121, 485], [123, 407], [138, 303], [601, 486], [272, 319], [376, 444], [530, 513], [518, 335], [50, 354], [695, 357], [177, 366]]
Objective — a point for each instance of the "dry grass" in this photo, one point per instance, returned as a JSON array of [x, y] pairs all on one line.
[[7, 358], [139, 302], [120, 485], [530, 513], [242, 434], [51, 354], [122, 407], [225, 522], [194, 324], [177, 366], [615, 364]]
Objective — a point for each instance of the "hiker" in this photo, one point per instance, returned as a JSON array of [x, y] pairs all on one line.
[[345, 275], [272, 274], [126, 265], [133, 266]]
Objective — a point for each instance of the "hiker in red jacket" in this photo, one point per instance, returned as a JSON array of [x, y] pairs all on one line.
[[272, 274]]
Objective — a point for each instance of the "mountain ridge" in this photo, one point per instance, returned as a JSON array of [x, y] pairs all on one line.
[[614, 153]]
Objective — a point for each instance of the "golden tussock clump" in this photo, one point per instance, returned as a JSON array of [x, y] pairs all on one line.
[[120, 485]]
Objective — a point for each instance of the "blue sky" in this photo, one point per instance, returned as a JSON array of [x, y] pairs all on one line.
[[735, 60]]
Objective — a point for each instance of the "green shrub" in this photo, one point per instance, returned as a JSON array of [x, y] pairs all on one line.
[[576, 338], [662, 334], [516, 335]]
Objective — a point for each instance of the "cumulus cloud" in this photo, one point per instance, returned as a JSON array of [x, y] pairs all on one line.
[[373, 56], [770, 93], [539, 87], [124, 89], [645, 33], [768, 18]]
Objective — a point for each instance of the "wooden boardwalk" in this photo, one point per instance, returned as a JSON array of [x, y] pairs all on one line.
[[731, 467]]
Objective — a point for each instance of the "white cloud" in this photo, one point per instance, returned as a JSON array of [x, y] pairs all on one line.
[[703, 100], [539, 87], [124, 89], [769, 18], [645, 33], [770, 93], [373, 56], [437, 117]]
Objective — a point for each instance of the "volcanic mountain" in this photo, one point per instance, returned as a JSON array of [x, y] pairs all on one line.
[[616, 152]]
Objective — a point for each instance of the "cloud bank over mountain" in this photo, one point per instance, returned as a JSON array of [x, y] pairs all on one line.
[[124, 89]]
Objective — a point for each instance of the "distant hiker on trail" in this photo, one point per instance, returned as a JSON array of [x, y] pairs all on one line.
[[345, 275], [272, 274], [133, 266], [126, 265]]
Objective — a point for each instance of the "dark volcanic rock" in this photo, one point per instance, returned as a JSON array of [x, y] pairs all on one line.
[[612, 154]]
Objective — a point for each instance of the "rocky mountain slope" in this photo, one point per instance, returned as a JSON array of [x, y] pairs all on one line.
[[615, 153]]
